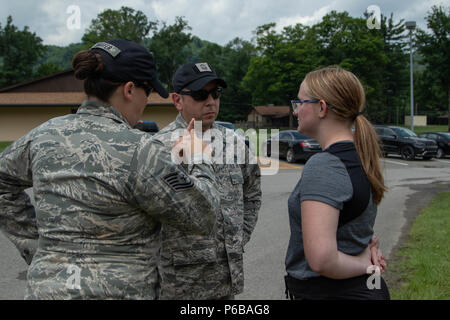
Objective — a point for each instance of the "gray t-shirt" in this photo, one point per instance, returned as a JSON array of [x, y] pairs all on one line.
[[335, 177]]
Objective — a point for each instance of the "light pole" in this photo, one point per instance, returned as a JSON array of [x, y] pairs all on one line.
[[411, 25]]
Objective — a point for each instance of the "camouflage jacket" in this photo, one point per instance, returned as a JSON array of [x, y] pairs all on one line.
[[101, 190], [210, 267]]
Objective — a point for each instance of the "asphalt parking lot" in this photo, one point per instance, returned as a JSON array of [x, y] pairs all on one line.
[[412, 184]]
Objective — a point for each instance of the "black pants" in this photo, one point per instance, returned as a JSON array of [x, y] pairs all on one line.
[[322, 288]]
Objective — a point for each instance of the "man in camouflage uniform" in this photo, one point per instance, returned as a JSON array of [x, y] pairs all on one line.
[[209, 267], [101, 191]]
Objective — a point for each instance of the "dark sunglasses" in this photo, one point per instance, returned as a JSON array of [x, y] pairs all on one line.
[[202, 94], [148, 89]]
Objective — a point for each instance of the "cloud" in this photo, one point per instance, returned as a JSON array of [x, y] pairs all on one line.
[[305, 20], [56, 28], [218, 21], [419, 10]]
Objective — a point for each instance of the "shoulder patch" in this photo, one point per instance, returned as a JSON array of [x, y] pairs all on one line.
[[178, 181]]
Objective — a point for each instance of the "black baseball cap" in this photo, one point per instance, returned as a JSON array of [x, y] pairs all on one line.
[[194, 76], [125, 60]]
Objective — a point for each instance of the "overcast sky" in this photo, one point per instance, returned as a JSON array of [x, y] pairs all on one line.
[[218, 21]]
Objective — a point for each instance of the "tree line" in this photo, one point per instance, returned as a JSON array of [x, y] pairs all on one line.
[[269, 68]]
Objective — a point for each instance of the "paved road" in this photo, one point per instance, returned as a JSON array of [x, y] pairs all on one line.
[[411, 187], [412, 184]]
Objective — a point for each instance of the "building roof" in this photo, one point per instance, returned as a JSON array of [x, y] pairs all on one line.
[[51, 79], [57, 89], [274, 111], [62, 99]]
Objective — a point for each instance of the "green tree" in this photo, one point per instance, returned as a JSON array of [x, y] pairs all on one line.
[[261, 76], [435, 48], [46, 69], [19, 51], [195, 48], [169, 45], [395, 76], [60, 56], [236, 100], [429, 97], [347, 42], [283, 59], [125, 23]]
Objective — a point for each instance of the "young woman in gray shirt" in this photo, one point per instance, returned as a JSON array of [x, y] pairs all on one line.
[[332, 209]]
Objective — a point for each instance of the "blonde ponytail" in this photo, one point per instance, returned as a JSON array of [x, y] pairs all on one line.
[[368, 147]]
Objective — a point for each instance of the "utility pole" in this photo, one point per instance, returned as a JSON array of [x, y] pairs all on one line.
[[411, 25]]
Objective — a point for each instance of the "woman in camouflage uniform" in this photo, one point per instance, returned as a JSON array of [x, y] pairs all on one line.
[[101, 188]]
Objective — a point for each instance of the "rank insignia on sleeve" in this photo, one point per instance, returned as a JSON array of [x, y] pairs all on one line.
[[178, 181]]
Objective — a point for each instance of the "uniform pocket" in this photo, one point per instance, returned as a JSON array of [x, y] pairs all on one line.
[[198, 253]]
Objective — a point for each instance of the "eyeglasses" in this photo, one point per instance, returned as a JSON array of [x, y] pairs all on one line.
[[148, 89], [297, 103], [202, 94]]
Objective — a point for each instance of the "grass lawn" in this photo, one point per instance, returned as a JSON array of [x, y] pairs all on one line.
[[420, 267], [4, 144], [418, 130], [432, 128]]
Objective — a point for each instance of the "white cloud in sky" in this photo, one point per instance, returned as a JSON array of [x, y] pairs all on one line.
[[305, 20], [420, 8]]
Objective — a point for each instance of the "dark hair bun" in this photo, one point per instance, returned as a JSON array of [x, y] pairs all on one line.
[[87, 64]]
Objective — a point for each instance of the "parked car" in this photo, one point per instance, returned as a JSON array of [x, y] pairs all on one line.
[[402, 141], [231, 126], [147, 126], [442, 140], [293, 146]]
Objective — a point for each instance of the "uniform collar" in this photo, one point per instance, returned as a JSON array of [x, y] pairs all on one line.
[[100, 109], [180, 122]]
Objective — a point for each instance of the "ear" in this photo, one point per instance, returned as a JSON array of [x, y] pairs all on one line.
[[128, 90], [323, 109], [177, 101]]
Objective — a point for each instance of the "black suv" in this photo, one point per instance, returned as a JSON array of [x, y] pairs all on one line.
[[442, 139], [402, 141]]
